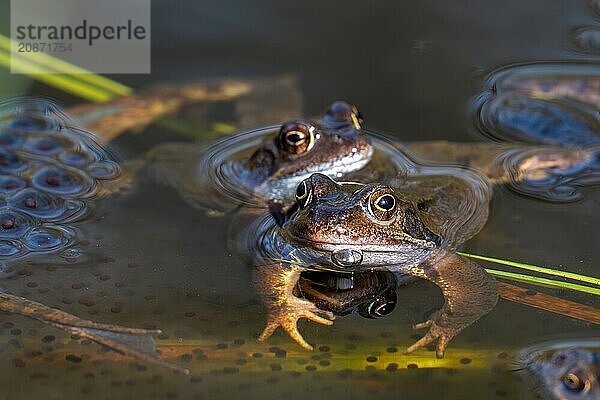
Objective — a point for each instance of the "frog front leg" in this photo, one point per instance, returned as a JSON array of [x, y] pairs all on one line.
[[275, 284], [469, 293]]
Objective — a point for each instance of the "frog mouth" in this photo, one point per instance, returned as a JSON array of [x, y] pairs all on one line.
[[366, 247], [345, 164]]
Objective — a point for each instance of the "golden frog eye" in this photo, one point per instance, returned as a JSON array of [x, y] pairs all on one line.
[[573, 382], [383, 206], [303, 193], [297, 137]]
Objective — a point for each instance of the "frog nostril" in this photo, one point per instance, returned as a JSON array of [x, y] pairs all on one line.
[[321, 185], [320, 180]]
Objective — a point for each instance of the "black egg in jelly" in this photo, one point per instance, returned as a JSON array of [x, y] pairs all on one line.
[[45, 239], [104, 170], [10, 248], [10, 184], [75, 158], [45, 145], [61, 182], [29, 123], [38, 204], [10, 140], [14, 225], [10, 162]]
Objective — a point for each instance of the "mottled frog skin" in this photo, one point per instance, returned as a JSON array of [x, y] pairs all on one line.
[[352, 226]]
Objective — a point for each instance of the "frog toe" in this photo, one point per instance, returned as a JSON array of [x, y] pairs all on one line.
[[423, 325], [295, 334], [268, 331], [424, 341], [318, 319], [436, 332]]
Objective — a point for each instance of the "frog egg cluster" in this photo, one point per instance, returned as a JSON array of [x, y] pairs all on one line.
[[49, 172]]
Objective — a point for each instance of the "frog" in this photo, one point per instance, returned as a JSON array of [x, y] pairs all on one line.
[[352, 226], [562, 369]]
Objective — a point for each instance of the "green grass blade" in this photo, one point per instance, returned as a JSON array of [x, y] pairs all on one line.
[[46, 64], [544, 282], [63, 82], [535, 268]]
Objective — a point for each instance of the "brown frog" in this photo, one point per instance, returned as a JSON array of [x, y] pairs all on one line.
[[351, 226]]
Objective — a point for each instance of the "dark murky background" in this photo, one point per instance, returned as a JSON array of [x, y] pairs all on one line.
[[412, 68]]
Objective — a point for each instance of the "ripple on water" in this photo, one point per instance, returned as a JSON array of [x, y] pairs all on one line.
[[542, 103], [49, 172], [552, 109], [48, 239], [552, 174], [587, 39]]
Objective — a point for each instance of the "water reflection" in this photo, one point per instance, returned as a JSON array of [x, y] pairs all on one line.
[[371, 294], [552, 105]]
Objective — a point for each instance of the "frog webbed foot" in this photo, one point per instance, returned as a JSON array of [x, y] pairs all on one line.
[[441, 329], [287, 317], [469, 293]]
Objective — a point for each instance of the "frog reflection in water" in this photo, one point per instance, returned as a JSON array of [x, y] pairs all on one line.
[[372, 294], [370, 227], [562, 370]]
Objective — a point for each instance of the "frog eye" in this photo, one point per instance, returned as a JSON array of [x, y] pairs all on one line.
[[303, 193], [297, 137], [382, 206], [573, 382]]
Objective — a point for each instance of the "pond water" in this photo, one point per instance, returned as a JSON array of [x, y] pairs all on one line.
[[148, 259]]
